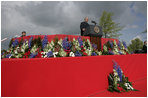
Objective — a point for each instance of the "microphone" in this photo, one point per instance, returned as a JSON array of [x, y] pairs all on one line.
[[94, 22]]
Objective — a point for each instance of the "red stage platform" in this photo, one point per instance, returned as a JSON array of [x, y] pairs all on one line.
[[70, 76]]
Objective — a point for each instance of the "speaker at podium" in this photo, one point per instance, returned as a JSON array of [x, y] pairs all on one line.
[[95, 33]]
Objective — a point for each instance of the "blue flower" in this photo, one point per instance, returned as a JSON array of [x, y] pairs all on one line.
[[66, 44], [24, 41], [124, 44], [78, 53], [111, 44], [80, 41], [118, 70], [93, 54], [44, 41], [111, 52], [115, 66], [15, 43], [30, 42], [8, 55], [94, 46], [120, 53], [32, 55], [50, 54], [119, 73], [119, 45]]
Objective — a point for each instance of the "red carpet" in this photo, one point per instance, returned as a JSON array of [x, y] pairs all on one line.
[[70, 76]]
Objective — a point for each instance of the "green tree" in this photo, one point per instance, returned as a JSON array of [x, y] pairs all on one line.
[[109, 27], [145, 31], [136, 44]]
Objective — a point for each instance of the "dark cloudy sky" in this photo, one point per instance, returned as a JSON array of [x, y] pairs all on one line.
[[64, 17]]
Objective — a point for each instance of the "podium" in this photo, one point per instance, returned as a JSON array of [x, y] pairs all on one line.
[[95, 33]]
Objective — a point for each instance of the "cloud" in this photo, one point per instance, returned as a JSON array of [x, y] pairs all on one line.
[[131, 27], [138, 36]]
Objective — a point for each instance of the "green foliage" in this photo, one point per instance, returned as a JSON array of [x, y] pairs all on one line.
[[10, 43], [145, 31], [37, 41], [109, 27], [56, 39], [135, 45], [21, 42]]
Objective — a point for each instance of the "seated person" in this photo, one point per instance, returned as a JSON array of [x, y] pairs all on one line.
[[23, 33]]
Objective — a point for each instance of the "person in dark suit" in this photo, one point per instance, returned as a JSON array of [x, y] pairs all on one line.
[[23, 33], [145, 47], [84, 25]]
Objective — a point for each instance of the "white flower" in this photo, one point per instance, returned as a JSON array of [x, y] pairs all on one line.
[[74, 39], [60, 42], [88, 51], [52, 43], [131, 87], [115, 74], [45, 56], [55, 53], [100, 53], [127, 85], [72, 54]]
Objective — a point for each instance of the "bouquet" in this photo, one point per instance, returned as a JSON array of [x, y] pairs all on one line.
[[117, 80]]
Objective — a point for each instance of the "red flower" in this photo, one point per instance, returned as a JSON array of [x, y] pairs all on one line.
[[120, 88], [39, 55], [26, 54], [85, 54]]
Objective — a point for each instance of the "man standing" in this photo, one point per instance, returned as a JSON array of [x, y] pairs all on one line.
[[84, 25], [145, 47]]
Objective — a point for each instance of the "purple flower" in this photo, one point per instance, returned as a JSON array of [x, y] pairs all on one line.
[[32, 55], [119, 73], [66, 44], [111, 44], [93, 54], [30, 42], [119, 45], [8, 55], [80, 41], [118, 70], [24, 41], [78, 53], [15, 43], [114, 65], [94, 46], [44, 41], [111, 52], [124, 44], [50, 54], [120, 53]]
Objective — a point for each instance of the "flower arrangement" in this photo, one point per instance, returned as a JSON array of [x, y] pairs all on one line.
[[112, 48], [42, 48], [117, 80]]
